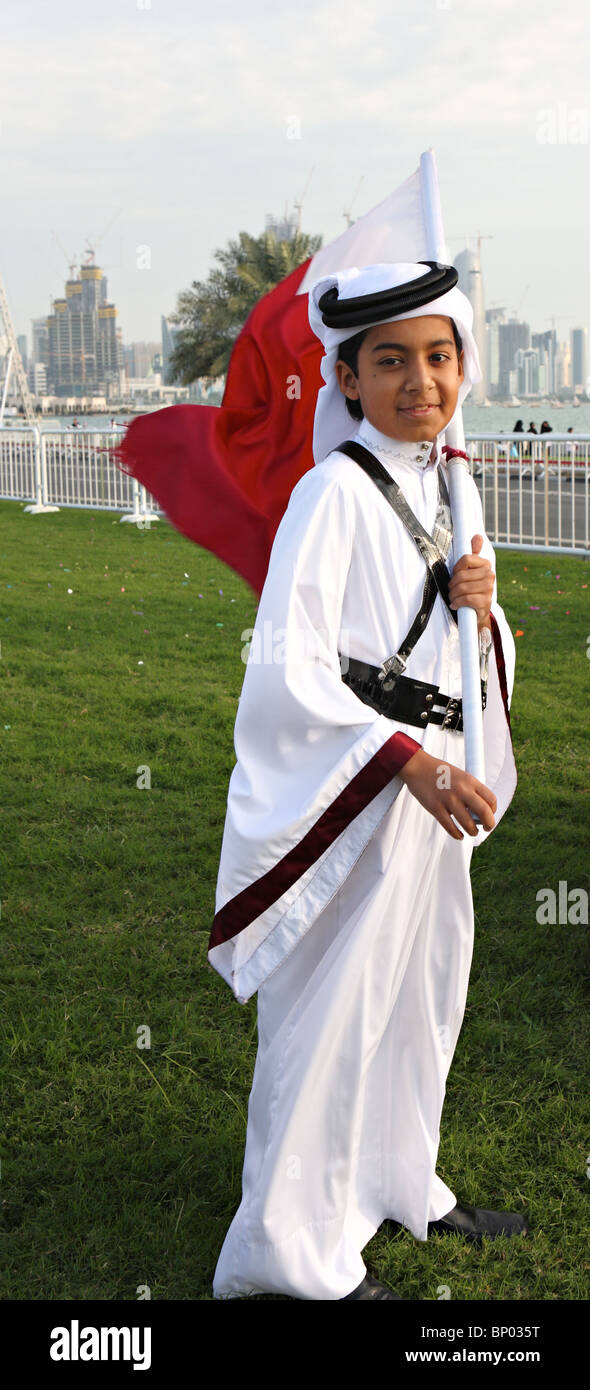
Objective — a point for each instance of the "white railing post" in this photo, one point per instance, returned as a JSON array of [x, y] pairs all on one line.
[[140, 514], [135, 514], [41, 504]]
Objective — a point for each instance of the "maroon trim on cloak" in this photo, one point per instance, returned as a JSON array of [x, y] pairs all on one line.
[[260, 895], [501, 665]]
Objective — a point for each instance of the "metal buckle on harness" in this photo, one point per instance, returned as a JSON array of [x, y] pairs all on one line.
[[453, 716], [390, 671]]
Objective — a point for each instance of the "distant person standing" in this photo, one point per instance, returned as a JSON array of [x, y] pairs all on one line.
[[518, 429], [546, 428]]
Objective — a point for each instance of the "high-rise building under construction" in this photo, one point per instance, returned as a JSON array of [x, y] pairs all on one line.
[[84, 353]]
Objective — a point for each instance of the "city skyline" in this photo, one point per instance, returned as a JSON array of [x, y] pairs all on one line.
[[72, 347], [160, 312]]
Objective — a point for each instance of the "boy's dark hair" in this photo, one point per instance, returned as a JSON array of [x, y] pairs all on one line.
[[349, 352]]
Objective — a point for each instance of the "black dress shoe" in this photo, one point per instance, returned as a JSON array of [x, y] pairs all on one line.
[[371, 1288], [475, 1222]]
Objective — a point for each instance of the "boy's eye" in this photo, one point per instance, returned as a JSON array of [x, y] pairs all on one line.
[[384, 361]]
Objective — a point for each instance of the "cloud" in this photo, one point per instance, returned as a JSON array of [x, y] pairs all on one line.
[[179, 114]]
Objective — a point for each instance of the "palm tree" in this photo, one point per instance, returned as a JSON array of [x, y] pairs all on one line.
[[212, 312]]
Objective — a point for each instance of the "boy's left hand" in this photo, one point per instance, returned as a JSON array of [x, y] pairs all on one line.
[[472, 582]]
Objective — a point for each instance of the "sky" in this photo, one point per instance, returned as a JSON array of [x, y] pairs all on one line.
[[173, 126]]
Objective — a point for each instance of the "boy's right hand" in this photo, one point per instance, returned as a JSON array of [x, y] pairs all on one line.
[[443, 788]]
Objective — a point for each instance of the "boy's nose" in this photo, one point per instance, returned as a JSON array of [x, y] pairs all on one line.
[[418, 376]]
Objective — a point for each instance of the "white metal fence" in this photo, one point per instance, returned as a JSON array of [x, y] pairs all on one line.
[[53, 468], [535, 489]]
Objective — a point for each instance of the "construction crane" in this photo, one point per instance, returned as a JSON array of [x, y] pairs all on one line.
[[14, 362], [347, 211], [299, 205], [554, 318], [92, 247], [70, 260], [517, 312]]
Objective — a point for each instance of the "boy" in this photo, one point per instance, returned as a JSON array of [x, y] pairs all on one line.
[[344, 895]]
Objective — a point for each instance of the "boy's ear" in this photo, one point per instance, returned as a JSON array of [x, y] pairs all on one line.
[[346, 380]]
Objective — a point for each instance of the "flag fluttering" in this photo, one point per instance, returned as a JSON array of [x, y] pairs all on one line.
[[224, 474]]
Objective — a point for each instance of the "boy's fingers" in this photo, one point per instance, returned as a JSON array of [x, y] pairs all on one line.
[[462, 802], [486, 793], [477, 797], [470, 576], [484, 811], [464, 784], [444, 819], [471, 562], [464, 584], [461, 812]]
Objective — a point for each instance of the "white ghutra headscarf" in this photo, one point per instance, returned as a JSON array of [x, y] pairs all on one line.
[[332, 421]]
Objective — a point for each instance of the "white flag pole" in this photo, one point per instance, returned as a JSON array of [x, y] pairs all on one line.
[[458, 470]]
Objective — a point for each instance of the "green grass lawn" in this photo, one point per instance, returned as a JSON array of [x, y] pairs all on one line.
[[121, 1166]]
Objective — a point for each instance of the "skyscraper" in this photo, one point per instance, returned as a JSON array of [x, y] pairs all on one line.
[[546, 344], [579, 359], [84, 354], [40, 340], [470, 282], [494, 317], [512, 336], [169, 334]]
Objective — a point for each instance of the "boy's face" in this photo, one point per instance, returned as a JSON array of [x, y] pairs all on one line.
[[410, 363]]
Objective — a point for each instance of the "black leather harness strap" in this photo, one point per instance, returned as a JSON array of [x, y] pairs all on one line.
[[393, 494], [386, 689]]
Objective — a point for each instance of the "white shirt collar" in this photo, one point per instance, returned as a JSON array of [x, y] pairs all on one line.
[[416, 454]]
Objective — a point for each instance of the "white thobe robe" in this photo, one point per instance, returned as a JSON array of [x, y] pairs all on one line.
[[340, 898]]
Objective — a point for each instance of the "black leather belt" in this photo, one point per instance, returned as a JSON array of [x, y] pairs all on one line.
[[409, 702]]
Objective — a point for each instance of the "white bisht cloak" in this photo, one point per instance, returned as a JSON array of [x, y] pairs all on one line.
[[316, 768]]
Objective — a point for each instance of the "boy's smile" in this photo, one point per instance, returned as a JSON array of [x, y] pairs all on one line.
[[408, 377]]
